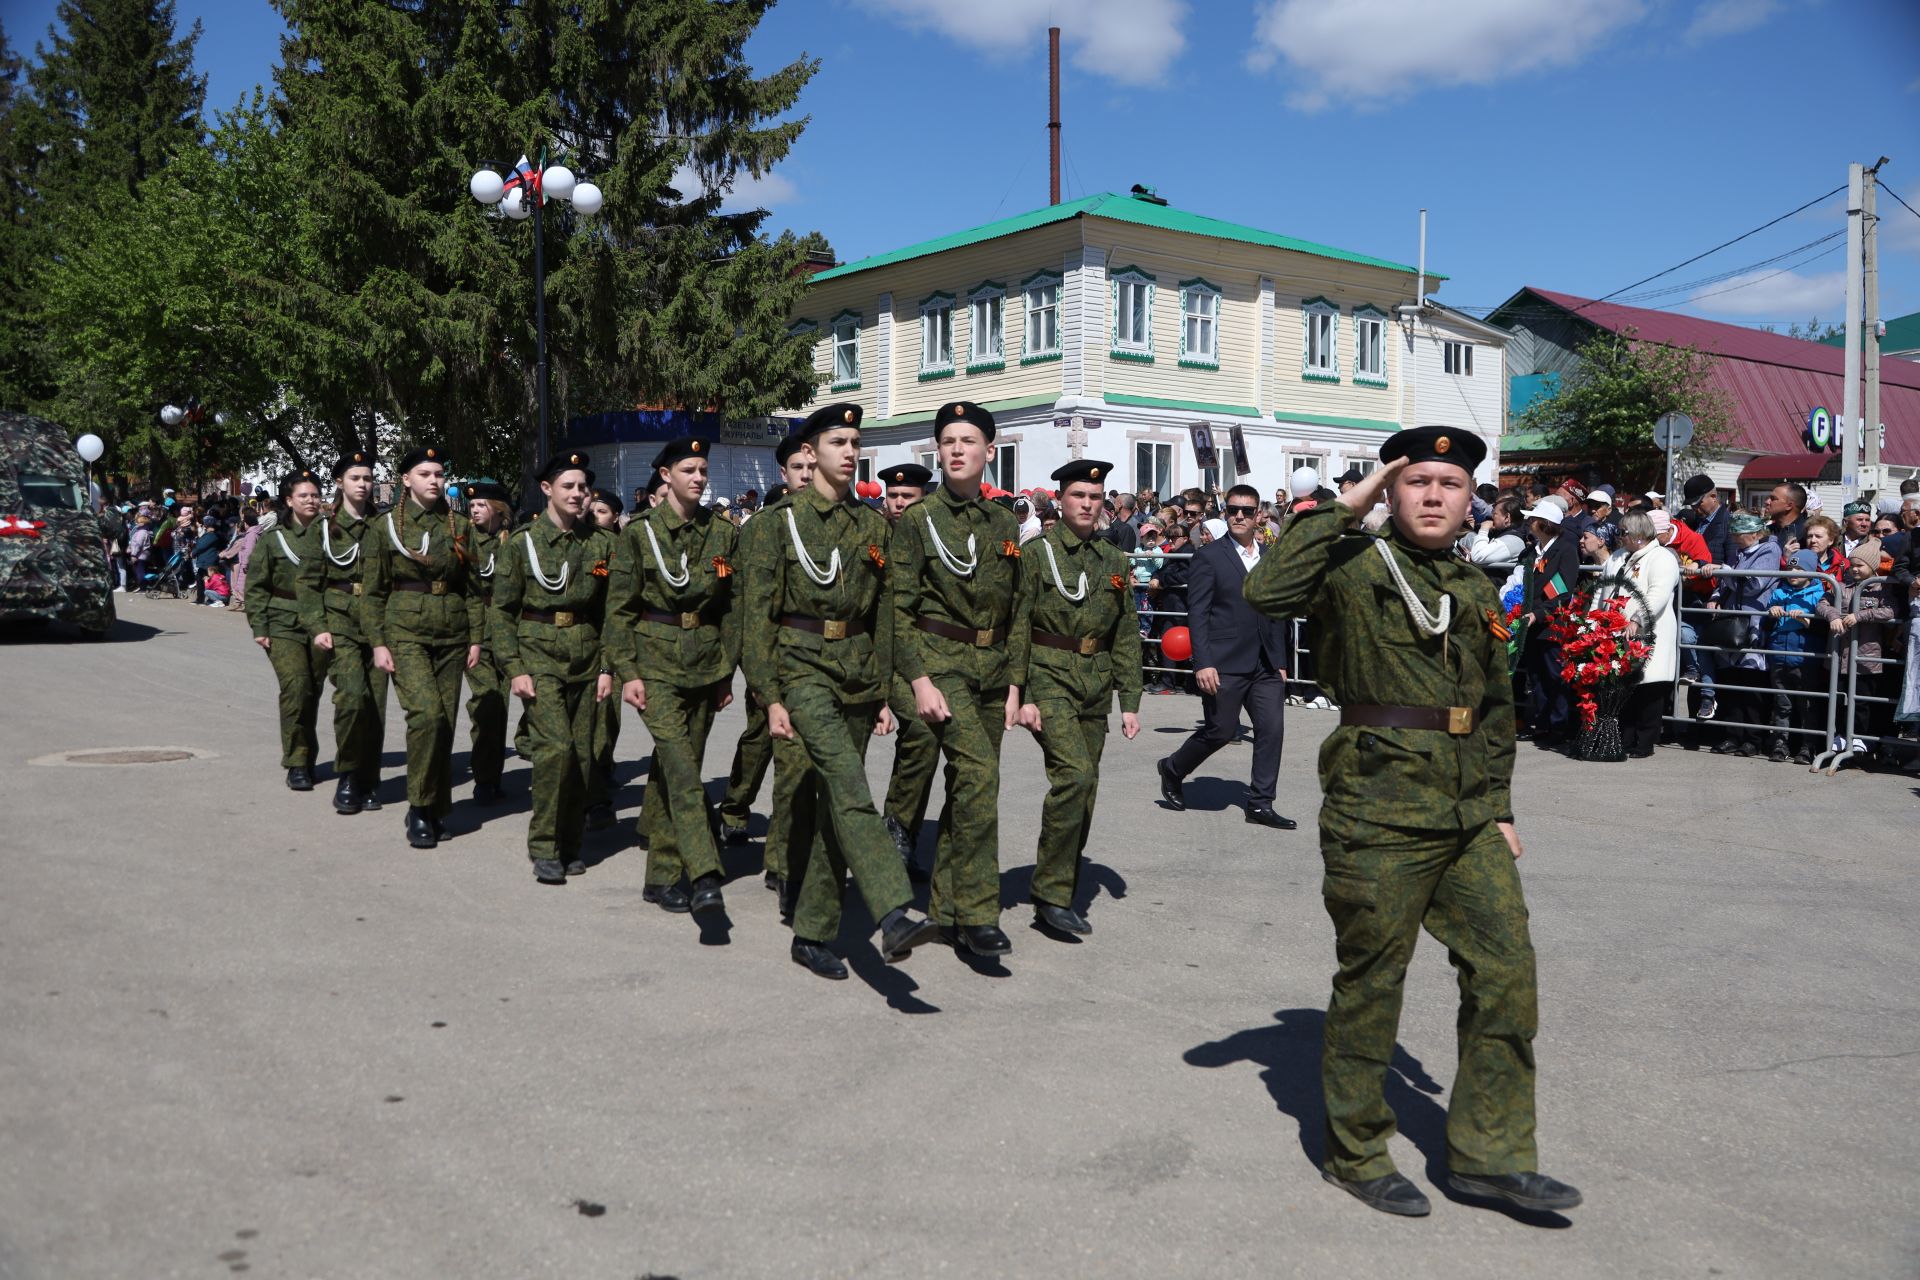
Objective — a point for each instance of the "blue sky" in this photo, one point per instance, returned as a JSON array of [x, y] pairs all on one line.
[[1573, 144]]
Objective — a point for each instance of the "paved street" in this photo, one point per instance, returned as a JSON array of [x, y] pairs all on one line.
[[245, 1034]]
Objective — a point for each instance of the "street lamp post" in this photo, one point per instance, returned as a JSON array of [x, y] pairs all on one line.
[[520, 195]]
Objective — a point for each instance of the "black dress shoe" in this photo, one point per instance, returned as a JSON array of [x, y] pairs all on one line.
[[901, 932], [983, 939], [486, 793], [668, 897], [346, 799], [299, 778], [549, 871], [1528, 1190], [420, 832], [1389, 1194], [817, 960], [706, 894], [575, 867], [1261, 816], [1170, 787], [368, 789], [599, 817], [1061, 919]]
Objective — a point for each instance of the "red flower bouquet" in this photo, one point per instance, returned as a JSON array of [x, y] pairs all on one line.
[[1599, 660]]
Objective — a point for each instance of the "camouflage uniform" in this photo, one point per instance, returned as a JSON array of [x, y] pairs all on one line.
[[832, 681], [280, 557], [973, 674], [757, 746], [486, 684], [329, 590], [916, 758], [554, 635], [1408, 838], [62, 572], [686, 663], [1074, 690], [425, 613]]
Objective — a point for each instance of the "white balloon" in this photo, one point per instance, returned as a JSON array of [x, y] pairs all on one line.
[[89, 447], [172, 415], [557, 182], [515, 205], [487, 186], [219, 419], [587, 198]]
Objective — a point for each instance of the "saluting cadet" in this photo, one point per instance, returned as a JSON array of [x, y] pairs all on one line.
[[549, 604], [1416, 827], [603, 511], [330, 609], [488, 505], [916, 752], [1086, 649], [817, 640], [278, 559], [420, 613], [960, 642], [675, 639]]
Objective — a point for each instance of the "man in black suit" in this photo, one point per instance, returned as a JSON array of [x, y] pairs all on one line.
[[1704, 498], [1240, 656]]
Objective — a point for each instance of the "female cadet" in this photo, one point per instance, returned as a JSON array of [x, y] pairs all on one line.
[[488, 506], [281, 556], [330, 610], [420, 613], [604, 509]]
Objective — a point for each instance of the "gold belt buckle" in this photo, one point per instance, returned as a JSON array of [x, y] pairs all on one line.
[[1089, 645], [563, 617], [982, 639], [437, 587], [833, 629], [356, 588], [1459, 721], [689, 621]]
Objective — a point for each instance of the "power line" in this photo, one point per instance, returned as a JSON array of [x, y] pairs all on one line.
[[1896, 195], [1689, 286]]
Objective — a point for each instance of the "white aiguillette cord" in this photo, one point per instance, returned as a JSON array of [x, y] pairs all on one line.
[[659, 558], [326, 545], [1059, 584], [539, 575], [1431, 624], [286, 550], [954, 564], [823, 578], [393, 535]]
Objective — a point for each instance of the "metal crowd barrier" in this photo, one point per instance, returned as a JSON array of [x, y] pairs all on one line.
[[1302, 654], [1847, 746]]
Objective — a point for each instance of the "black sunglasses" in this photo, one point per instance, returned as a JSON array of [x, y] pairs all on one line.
[[1248, 512]]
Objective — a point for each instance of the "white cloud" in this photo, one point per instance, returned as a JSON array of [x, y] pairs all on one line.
[[744, 192], [1367, 52], [1767, 295], [1729, 18], [1132, 41]]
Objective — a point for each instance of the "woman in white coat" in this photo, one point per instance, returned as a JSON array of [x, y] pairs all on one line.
[[1655, 575]]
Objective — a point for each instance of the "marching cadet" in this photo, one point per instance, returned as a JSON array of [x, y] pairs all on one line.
[[1086, 648], [818, 635], [549, 604], [420, 611], [1416, 827], [274, 568], [674, 638], [488, 506], [604, 509], [916, 752], [655, 483], [330, 609], [960, 642]]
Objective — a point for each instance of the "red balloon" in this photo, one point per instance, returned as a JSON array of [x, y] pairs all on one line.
[[1176, 645]]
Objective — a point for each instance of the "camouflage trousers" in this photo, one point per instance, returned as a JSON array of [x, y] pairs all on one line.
[[1382, 885], [751, 756], [606, 736], [297, 668], [916, 758], [559, 725], [966, 861], [486, 720], [788, 844], [674, 820], [359, 708], [426, 678], [833, 819], [1071, 745]]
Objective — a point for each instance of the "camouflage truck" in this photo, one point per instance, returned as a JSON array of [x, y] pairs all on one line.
[[52, 563]]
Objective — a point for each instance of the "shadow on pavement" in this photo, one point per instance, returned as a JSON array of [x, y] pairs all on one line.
[[40, 631]]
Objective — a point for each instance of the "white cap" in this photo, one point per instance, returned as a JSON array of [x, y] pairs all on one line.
[[1654, 494], [1814, 503], [1546, 509], [1305, 481], [1216, 527], [720, 503]]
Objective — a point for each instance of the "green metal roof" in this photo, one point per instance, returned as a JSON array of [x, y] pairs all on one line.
[[1120, 208], [1903, 334]]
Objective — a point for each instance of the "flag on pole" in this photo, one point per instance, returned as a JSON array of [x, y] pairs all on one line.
[[523, 176]]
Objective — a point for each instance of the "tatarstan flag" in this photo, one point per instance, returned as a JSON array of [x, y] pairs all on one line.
[[1555, 588]]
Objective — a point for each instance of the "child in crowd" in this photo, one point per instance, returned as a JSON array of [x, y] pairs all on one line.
[[1797, 645], [140, 549]]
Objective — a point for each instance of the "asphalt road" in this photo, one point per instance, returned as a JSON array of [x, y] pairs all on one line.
[[244, 1034]]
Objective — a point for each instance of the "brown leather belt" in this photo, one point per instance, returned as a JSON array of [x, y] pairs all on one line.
[[965, 635], [685, 621], [1085, 646], [827, 628], [438, 587], [1458, 721], [552, 617], [278, 594]]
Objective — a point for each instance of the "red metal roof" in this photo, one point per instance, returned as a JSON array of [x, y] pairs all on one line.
[[1793, 466], [1772, 380]]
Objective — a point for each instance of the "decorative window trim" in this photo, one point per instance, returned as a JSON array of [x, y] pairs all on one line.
[[977, 362], [803, 326], [1188, 288], [1136, 353], [833, 346], [1041, 279], [1045, 357], [1310, 372], [1366, 312], [932, 375], [928, 305]]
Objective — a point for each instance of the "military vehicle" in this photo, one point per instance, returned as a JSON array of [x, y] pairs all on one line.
[[52, 562]]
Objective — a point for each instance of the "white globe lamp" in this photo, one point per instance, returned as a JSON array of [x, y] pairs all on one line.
[[587, 197], [557, 182], [487, 186], [173, 415], [515, 205]]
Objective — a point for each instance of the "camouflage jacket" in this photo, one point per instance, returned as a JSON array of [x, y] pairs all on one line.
[[486, 574], [1095, 571], [281, 557], [702, 549], [329, 581], [986, 598], [568, 644], [443, 614], [777, 583]]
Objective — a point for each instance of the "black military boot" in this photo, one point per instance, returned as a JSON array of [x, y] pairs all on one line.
[[706, 895], [903, 842], [1061, 919], [346, 798], [901, 932], [486, 793], [1528, 1190], [816, 959], [575, 867], [668, 897], [549, 871], [420, 832], [982, 939], [599, 817], [299, 778], [1389, 1194], [368, 789]]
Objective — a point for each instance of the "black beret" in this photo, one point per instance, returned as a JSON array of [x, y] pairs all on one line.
[[911, 474], [1087, 469], [963, 411], [1697, 488], [348, 461], [567, 460], [675, 450], [425, 453], [491, 490], [784, 451], [825, 418], [1463, 449], [1005, 500], [303, 476], [609, 497], [775, 492], [654, 482]]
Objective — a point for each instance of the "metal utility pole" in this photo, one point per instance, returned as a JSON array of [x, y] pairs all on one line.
[[1870, 478], [1053, 115], [1850, 395]]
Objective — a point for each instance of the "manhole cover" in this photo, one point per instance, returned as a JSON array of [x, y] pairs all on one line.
[[124, 755]]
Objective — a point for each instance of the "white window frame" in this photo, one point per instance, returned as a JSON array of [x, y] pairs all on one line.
[[1192, 291], [1365, 466], [1295, 461], [1365, 318], [1004, 471], [863, 468], [850, 321], [1157, 450], [936, 311], [1456, 357], [987, 301], [930, 459], [1135, 347], [1319, 317], [1032, 309]]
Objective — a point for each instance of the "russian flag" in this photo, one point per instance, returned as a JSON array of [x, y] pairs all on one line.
[[523, 176]]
